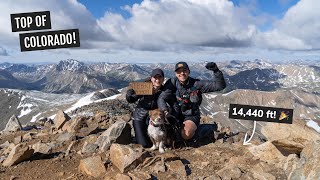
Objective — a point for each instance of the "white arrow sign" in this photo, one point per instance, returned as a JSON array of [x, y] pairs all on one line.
[[245, 141]]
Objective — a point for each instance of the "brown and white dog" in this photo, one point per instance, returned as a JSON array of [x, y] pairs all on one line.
[[157, 130]]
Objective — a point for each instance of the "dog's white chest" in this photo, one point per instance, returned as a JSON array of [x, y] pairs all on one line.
[[156, 132]]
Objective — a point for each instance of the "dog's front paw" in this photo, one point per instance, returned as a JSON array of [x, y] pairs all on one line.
[[161, 150], [154, 147]]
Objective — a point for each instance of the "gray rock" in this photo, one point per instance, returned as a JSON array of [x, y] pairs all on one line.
[[119, 132], [66, 137], [13, 125], [89, 148]]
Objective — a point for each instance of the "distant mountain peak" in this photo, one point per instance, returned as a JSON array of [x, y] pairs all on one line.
[[72, 65]]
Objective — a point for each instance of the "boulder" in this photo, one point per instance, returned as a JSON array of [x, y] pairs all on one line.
[[125, 157], [230, 173], [89, 148], [28, 136], [42, 148], [66, 137], [92, 166], [60, 119], [296, 133], [119, 132], [17, 140], [19, 153], [13, 125], [177, 167], [75, 124], [308, 167], [267, 152]]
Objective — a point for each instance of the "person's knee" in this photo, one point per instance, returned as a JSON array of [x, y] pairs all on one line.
[[188, 130]]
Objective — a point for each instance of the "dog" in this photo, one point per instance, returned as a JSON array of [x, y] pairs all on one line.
[[157, 130]]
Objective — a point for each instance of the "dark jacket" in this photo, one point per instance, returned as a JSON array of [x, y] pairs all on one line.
[[145, 103], [184, 93]]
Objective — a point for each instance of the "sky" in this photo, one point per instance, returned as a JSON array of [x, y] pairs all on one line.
[[147, 31]]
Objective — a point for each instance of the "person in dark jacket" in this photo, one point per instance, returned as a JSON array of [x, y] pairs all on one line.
[[188, 92], [145, 103]]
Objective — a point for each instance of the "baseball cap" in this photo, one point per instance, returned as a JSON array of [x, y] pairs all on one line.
[[157, 72], [181, 65]]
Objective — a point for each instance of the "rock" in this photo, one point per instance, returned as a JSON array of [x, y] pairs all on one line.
[[86, 131], [42, 148], [100, 116], [297, 132], [203, 165], [71, 145], [19, 153], [75, 124], [139, 175], [159, 167], [308, 167], [49, 123], [4, 145], [260, 171], [9, 148], [122, 177], [177, 167], [66, 137], [125, 157], [290, 164], [213, 177], [28, 136], [92, 166], [17, 140], [267, 152], [230, 173], [89, 148], [13, 125], [119, 132], [60, 119]]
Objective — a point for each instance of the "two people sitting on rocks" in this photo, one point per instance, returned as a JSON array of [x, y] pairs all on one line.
[[181, 96]]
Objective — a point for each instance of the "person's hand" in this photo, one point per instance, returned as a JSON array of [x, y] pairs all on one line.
[[131, 92], [212, 66]]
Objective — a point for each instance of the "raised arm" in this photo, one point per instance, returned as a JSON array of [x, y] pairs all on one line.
[[217, 84]]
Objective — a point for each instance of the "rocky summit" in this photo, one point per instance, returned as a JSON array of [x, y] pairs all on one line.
[[100, 145]]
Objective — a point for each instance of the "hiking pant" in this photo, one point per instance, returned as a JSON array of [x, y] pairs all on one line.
[[140, 125]]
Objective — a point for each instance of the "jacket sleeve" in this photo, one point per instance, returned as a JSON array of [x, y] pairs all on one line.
[[217, 84], [166, 95]]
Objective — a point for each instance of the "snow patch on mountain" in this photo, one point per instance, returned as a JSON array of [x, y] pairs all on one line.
[[314, 125]]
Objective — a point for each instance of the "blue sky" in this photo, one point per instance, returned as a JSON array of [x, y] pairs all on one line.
[[170, 30], [99, 7]]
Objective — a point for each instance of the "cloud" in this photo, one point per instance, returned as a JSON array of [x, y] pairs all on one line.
[[3, 52], [172, 24], [297, 30]]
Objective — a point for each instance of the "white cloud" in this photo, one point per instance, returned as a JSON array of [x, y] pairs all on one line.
[[170, 24], [297, 30]]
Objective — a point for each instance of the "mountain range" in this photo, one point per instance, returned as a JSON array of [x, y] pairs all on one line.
[[72, 76]]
